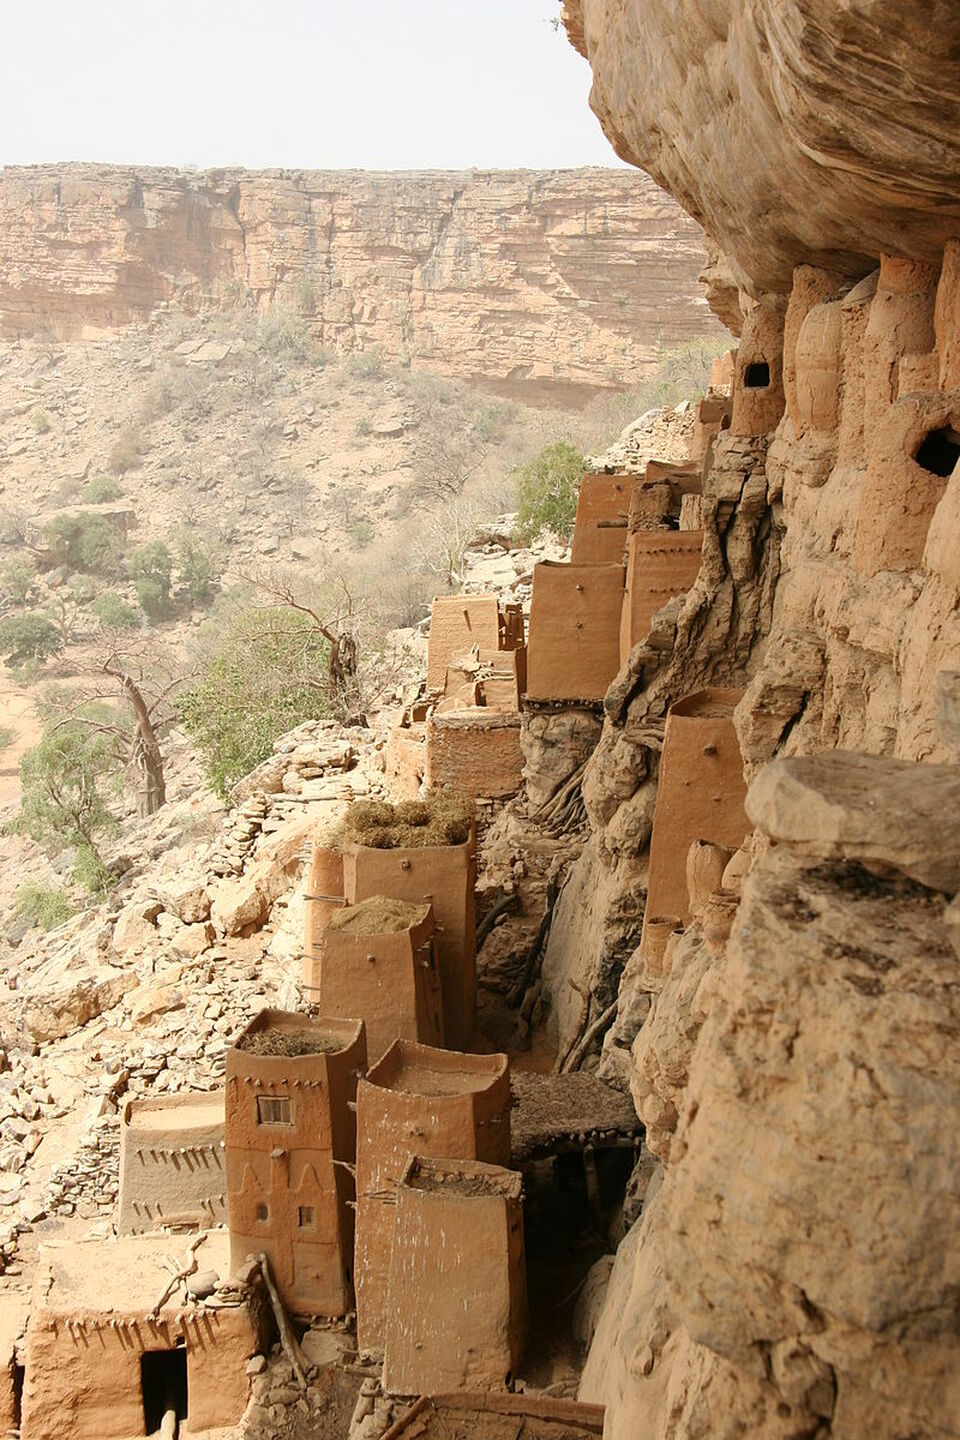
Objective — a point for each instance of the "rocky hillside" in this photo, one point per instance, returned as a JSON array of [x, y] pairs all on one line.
[[573, 280], [792, 1050]]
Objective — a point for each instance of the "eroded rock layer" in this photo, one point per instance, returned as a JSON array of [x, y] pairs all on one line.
[[503, 276]]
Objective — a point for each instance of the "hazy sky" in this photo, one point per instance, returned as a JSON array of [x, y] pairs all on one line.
[[374, 84]]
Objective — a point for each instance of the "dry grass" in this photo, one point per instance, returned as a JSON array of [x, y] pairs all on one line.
[[289, 1042], [441, 818], [378, 916]]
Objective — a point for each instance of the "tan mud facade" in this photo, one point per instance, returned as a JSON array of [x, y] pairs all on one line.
[[574, 645], [424, 1101], [388, 979], [291, 1138], [92, 1334], [457, 1299], [172, 1164]]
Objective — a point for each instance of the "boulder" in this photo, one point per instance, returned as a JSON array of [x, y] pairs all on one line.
[[890, 815], [134, 929], [947, 696], [321, 1348], [157, 999], [54, 1013], [951, 919], [191, 940], [245, 903], [184, 896]]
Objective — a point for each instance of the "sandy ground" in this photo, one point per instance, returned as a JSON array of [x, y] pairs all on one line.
[[17, 714]]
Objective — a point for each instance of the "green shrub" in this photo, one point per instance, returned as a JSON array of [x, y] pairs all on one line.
[[547, 490], [18, 577], [13, 525], [114, 613], [197, 567], [43, 905], [306, 297], [64, 781], [90, 873], [85, 542], [152, 600], [100, 490], [361, 534], [28, 637], [266, 676], [40, 421], [151, 566], [366, 364], [285, 335]]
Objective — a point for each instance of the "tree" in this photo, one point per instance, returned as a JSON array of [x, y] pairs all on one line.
[[450, 445], [197, 568], [151, 566], [129, 701], [547, 490], [267, 671], [334, 620], [63, 781], [68, 604], [19, 577], [28, 637], [444, 536]]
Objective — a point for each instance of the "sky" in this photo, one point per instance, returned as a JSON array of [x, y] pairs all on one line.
[[320, 84]]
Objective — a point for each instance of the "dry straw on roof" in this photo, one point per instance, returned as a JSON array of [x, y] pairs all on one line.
[[441, 818], [378, 916]]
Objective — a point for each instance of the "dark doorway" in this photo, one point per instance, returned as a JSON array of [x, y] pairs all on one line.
[[18, 1375], [163, 1383], [757, 375], [939, 451], [566, 1215]]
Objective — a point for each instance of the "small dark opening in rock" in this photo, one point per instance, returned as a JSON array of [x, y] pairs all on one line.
[[163, 1383], [939, 451], [757, 375], [18, 1376], [725, 423]]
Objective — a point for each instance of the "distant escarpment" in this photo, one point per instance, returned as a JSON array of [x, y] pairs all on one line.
[[498, 276]]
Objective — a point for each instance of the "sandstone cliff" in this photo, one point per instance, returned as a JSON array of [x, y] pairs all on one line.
[[792, 1050], [498, 276], [794, 130]]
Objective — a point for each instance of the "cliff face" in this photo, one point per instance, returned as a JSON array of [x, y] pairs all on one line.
[[794, 130], [502, 277], [792, 1050]]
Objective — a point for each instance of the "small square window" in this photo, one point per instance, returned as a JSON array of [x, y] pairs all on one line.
[[305, 1217], [262, 1213], [274, 1110]]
